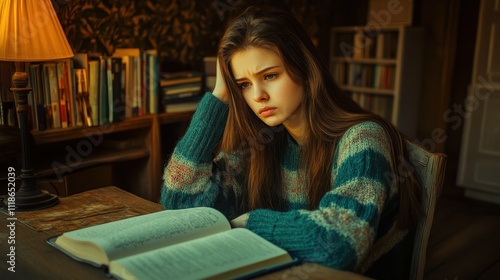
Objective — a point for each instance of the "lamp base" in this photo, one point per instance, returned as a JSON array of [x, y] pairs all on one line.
[[35, 199]]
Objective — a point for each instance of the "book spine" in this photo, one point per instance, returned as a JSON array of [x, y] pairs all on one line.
[[153, 83], [93, 90], [109, 89], [70, 92], [55, 110], [61, 82], [118, 89], [181, 95], [103, 93]]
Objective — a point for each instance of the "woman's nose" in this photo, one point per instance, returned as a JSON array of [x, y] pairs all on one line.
[[259, 93]]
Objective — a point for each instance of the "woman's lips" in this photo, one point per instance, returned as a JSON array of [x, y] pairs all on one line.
[[267, 111]]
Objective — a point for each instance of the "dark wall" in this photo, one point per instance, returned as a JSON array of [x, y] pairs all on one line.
[[450, 28], [186, 31]]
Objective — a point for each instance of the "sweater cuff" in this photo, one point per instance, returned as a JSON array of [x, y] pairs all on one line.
[[205, 130], [290, 230], [263, 222]]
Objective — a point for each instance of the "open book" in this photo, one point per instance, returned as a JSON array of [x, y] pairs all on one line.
[[195, 243]]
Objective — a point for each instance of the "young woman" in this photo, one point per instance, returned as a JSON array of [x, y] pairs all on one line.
[[279, 149]]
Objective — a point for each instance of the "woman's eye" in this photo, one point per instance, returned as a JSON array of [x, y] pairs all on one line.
[[270, 76], [244, 85]]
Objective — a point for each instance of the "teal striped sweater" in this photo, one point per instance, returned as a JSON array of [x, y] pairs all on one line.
[[357, 211]]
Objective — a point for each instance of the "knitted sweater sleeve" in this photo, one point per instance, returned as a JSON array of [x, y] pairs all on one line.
[[191, 177], [340, 232]]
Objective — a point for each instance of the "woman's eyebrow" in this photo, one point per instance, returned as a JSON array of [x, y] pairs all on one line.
[[259, 72]]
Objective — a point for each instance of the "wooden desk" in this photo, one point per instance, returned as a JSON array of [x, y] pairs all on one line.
[[35, 259]]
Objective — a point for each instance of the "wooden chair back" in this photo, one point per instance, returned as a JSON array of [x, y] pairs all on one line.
[[430, 170]]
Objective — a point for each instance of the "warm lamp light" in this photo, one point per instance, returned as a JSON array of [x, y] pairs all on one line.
[[29, 32]]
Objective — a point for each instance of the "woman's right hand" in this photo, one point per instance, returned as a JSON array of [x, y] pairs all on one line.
[[220, 90]]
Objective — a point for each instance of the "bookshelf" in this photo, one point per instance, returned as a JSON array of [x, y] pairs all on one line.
[[114, 132], [133, 149], [381, 70]]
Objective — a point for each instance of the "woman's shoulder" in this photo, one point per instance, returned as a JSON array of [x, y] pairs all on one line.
[[365, 134], [365, 128]]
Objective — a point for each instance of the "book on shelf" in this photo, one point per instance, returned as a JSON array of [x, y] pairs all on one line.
[[107, 98], [36, 79], [117, 98], [93, 89], [387, 45], [51, 89], [70, 71], [82, 100], [181, 91], [168, 98], [177, 78], [358, 48], [88, 79], [182, 104], [357, 44], [131, 58], [196, 97], [103, 99], [380, 46], [151, 81], [31, 102], [140, 80], [193, 243], [378, 104], [181, 88], [64, 95]]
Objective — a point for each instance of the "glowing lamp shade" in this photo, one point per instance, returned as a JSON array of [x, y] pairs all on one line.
[[30, 31]]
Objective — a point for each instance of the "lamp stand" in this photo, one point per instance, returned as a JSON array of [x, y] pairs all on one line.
[[29, 196]]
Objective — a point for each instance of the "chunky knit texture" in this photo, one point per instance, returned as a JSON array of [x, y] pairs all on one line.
[[358, 210]]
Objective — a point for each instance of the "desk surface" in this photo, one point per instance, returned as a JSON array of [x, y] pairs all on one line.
[[35, 259]]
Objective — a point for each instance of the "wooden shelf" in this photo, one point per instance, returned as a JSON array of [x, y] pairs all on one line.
[[101, 156], [65, 134], [133, 147], [165, 118]]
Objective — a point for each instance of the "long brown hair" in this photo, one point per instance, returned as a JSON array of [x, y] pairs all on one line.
[[329, 113]]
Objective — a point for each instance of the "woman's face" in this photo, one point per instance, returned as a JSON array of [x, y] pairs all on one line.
[[267, 88]]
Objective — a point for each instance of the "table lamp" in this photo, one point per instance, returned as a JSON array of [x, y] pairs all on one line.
[[29, 32]]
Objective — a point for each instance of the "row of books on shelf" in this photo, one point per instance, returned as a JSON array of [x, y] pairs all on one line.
[[378, 104], [93, 89], [181, 91], [377, 76], [359, 45]]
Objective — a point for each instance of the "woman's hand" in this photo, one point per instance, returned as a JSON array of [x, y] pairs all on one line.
[[220, 90], [241, 221]]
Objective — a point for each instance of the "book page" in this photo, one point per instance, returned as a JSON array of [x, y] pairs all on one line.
[[146, 232], [216, 255]]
